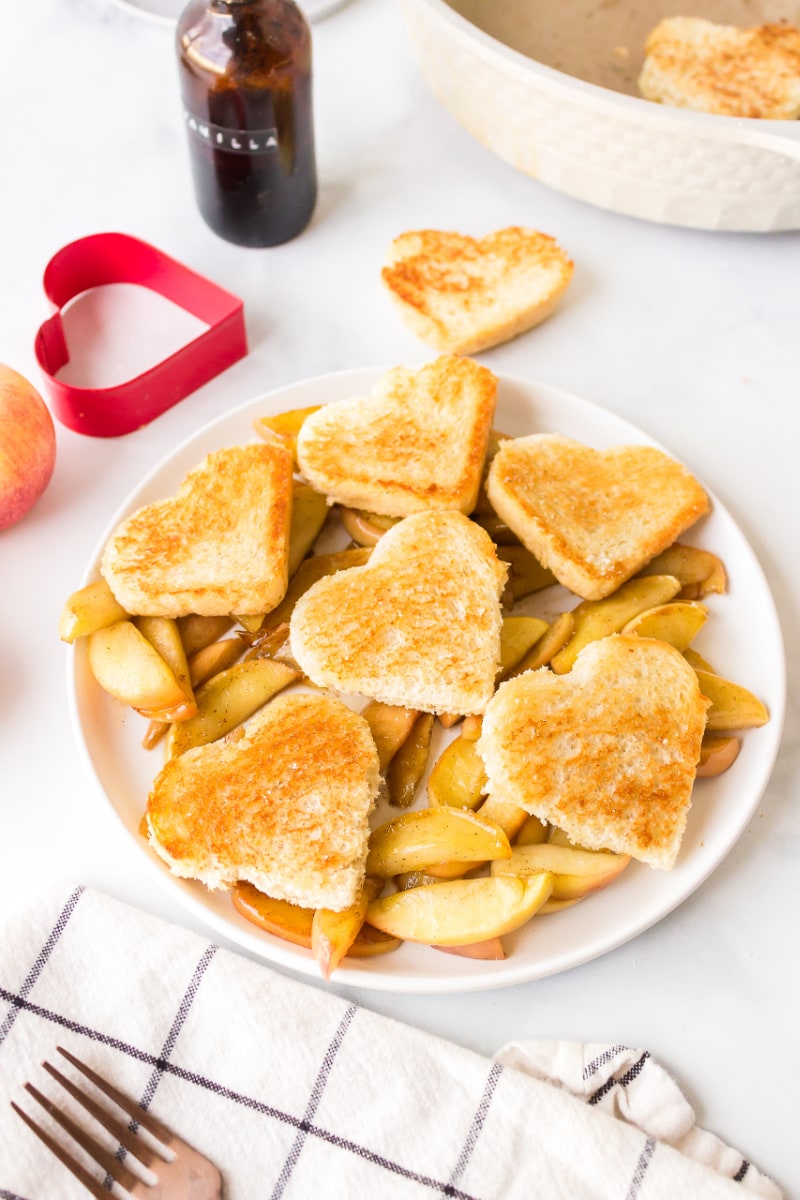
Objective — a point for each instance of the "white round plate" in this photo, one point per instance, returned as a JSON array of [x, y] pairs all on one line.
[[166, 12], [742, 639]]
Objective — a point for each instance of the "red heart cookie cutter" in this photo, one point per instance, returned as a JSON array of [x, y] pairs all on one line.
[[105, 258]]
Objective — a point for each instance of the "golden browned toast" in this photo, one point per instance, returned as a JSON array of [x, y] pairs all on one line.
[[593, 517], [417, 442], [608, 752], [219, 546], [284, 807], [462, 294], [418, 626], [722, 69]]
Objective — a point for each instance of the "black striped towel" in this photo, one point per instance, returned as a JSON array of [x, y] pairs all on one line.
[[297, 1094]]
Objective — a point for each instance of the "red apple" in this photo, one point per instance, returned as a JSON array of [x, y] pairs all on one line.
[[27, 446]]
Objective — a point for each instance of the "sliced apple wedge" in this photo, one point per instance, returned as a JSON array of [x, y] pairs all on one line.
[[408, 764], [716, 755], [309, 513], [677, 623], [390, 727], [197, 632], [505, 814], [598, 618], [429, 836], [164, 636], [90, 608], [458, 778], [489, 951], [228, 699], [127, 666], [575, 873], [732, 706], [699, 571], [518, 635], [526, 574], [295, 924], [463, 911], [284, 427], [333, 933], [533, 832], [554, 638]]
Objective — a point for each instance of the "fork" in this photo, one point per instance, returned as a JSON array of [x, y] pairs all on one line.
[[183, 1174]]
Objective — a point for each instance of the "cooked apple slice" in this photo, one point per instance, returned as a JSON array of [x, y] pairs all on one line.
[[526, 574], [517, 637], [164, 636], [716, 755], [127, 666], [309, 513], [333, 933], [458, 778], [596, 619], [699, 571], [429, 836], [505, 814], [489, 951], [90, 608], [732, 706], [203, 665], [463, 911], [496, 528], [284, 428], [678, 623], [471, 729], [227, 700], [575, 872], [533, 832], [365, 528], [552, 640], [408, 764], [197, 631], [390, 727], [698, 662], [295, 924]]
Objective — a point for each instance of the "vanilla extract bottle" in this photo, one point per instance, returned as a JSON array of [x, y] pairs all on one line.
[[245, 74]]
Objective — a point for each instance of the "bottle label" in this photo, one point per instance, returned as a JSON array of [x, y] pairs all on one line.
[[236, 141]]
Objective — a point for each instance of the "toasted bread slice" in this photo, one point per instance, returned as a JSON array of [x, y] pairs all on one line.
[[462, 294], [418, 626], [220, 546], [593, 517], [693, 63], [418, 442], [607, 753], [285, 807]]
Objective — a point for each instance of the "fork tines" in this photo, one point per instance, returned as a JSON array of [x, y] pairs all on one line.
[[124, 1134]]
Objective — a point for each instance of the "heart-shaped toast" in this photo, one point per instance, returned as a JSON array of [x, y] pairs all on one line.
[[285, 806], [607, 752], [417, 626], [594, 517], [418, 442], [218, 547], [462, 294]]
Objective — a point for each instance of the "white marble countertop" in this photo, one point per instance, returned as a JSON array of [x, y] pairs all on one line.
[[691, 336]]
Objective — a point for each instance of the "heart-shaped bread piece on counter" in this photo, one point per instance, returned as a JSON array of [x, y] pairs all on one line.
[[284, 807], [594, 517], [463, 294], [418, 442], [607, 752], [219, 546], [417, 626]]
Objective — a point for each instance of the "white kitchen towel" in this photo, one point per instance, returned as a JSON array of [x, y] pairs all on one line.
[[297, 1094]]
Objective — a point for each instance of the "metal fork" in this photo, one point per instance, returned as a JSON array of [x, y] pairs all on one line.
[[182, 1174]]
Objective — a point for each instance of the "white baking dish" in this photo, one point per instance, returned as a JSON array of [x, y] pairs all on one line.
[[613, 150]]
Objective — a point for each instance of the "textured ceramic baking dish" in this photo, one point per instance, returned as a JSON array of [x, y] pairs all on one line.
[[612, 150]]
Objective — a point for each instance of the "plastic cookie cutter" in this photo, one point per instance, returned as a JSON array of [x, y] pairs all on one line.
[[108, 258]]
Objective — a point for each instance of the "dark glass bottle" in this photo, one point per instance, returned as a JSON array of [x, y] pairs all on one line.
[[245, 70]]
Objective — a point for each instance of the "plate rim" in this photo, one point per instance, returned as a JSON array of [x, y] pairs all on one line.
[[485, 976]]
